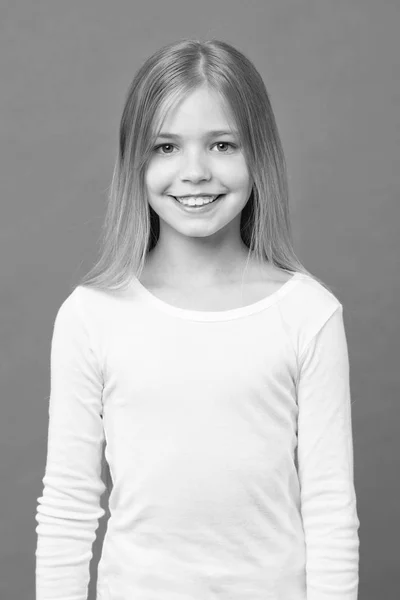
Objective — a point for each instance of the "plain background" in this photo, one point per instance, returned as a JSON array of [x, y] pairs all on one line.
[[332, 70]]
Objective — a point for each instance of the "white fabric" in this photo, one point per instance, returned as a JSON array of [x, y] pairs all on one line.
[[229, 440]]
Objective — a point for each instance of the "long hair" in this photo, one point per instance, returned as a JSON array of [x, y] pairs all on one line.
[[131, 227]]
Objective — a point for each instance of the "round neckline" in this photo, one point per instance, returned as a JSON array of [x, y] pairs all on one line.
[[220, 315]]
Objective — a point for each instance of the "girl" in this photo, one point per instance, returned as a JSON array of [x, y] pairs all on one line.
[[209, 361]]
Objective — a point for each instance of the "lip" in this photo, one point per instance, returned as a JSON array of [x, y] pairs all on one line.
[[194, 195], [199, 210]]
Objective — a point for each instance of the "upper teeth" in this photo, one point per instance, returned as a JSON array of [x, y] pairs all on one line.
[[195, 201]]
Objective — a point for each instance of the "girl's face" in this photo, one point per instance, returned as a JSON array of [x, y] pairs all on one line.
[[198, 152]]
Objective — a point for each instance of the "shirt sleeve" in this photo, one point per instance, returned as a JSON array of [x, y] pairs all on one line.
[[325, 463], [69, 509]]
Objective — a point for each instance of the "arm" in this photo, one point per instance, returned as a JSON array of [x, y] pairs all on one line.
[[325, 459], [69, 509]]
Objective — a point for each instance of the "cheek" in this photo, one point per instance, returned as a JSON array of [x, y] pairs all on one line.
[[236, 175], [158, 176]]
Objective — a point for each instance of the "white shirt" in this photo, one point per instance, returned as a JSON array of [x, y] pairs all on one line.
[[229, 440]]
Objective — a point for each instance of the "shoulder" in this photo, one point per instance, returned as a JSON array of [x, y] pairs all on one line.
[[79, 299], [97, 305], [308, 307], [86, 307], [308, 298], [313, 294]]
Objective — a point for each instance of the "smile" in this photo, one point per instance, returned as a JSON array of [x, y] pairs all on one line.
[[196, 200], [198, 204]]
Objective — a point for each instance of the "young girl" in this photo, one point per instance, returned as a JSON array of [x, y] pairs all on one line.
[[210, 363]]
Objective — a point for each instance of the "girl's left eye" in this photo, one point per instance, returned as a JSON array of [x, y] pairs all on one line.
[[226, 144], [164, 146]]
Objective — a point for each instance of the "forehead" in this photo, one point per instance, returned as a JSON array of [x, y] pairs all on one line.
[[199, 111]]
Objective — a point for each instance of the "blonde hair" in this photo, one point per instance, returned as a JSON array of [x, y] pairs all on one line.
[[131, 227]]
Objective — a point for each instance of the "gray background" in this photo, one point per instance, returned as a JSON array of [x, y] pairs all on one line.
[[332, 70]]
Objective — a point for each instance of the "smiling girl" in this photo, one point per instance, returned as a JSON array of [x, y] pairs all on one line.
[[207, 360]]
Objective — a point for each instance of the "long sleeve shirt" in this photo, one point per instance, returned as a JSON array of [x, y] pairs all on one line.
[[229, 440]]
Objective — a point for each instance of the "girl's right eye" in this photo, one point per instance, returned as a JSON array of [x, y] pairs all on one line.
[[157, 148]]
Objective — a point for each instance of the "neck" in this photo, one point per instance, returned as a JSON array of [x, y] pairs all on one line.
[[200, 267]]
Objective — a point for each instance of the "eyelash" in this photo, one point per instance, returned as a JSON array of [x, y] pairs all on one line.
[[234, 146]]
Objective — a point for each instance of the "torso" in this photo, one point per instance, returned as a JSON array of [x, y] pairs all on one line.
[[257, 285]]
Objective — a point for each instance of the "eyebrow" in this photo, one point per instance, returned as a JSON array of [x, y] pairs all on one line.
[[166, 134]]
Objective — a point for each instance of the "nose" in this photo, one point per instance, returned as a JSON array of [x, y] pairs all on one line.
[[194, 168]]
